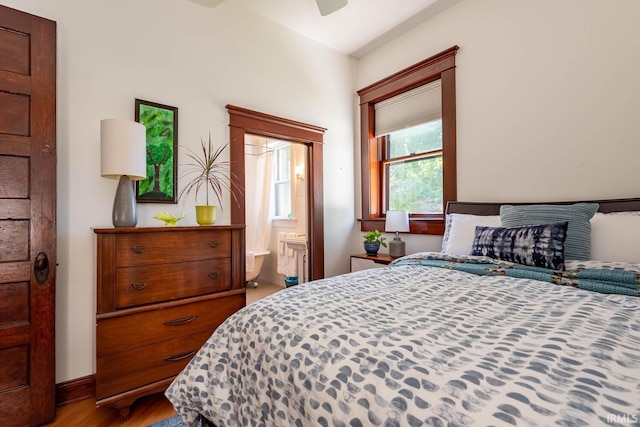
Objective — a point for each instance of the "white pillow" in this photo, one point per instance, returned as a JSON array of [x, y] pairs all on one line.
[[615, 237], [459, 236]]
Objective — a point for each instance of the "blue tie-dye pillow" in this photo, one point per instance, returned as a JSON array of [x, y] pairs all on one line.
[[540, 245]]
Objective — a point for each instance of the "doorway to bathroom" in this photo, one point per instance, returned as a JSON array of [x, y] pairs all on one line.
[[305, 141], [275, 211]]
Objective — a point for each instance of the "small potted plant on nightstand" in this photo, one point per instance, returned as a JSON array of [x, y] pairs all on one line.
[[372, 242]]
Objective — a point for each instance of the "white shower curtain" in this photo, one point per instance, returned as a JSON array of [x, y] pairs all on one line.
[[258, 164]]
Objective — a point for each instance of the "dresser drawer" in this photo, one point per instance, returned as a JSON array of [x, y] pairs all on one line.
[[156, 283], [125, 332], [127, 370], [161, 248]]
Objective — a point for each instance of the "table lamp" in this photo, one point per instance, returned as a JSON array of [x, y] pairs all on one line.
[[123, 145], [397, 221]]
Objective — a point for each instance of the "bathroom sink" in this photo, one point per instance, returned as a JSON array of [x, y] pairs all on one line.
[[297, 243]]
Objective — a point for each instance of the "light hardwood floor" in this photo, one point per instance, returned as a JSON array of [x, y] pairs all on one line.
[[146, 410], [264, 289]]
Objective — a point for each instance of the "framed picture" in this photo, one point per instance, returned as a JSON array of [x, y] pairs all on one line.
[[161, 121]]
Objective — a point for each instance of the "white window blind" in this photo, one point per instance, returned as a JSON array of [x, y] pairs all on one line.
[[415, 107]]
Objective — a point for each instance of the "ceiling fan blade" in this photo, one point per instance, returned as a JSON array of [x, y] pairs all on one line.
[[329, 6], [208, 3]]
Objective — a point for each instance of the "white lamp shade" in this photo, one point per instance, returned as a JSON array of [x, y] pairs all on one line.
[[123, 145], [397, 221]]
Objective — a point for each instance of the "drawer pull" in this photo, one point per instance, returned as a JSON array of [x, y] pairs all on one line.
[[180, 356], [214, 275], [139, 285], [214, 243], [139, 249], [180, 321]]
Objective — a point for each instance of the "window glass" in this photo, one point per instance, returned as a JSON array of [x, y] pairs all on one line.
[[282, 182], [416, 185], [415, 140], [414, 169]]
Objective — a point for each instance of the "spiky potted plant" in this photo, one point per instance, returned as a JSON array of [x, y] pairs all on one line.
[[208, 172]]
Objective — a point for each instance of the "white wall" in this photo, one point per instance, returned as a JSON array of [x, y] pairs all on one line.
[[547, 97], [197, 59]]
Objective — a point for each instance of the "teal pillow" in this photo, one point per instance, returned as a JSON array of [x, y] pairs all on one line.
[[578, 243]]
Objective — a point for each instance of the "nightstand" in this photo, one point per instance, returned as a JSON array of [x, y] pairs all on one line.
[[365, 262]]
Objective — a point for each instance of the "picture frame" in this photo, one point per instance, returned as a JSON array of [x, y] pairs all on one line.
[[161, 123]]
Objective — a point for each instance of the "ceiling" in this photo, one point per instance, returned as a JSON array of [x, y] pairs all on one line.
[[356, 29]]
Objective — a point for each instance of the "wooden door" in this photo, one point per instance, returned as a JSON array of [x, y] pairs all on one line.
[[27, 218]]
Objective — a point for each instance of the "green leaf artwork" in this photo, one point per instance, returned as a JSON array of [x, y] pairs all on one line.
[[161, 122]]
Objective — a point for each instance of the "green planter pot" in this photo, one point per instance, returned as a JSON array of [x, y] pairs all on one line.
[[206, 215]]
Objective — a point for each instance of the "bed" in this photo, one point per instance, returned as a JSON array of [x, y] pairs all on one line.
[[464, 336]]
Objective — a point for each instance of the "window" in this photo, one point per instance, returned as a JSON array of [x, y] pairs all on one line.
[[408, 142], [282, 181]]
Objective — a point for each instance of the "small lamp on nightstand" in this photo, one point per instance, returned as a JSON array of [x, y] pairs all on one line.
[[397, 221]]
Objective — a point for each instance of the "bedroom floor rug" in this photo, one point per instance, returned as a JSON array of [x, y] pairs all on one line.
[[174, 421]]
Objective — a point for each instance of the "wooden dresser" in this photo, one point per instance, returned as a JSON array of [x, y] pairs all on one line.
[[161, 293]]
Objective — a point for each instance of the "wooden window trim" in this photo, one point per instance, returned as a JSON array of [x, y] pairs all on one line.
[[440, 66]]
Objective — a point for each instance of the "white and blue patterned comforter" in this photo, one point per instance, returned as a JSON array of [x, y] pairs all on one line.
[[410, 345]]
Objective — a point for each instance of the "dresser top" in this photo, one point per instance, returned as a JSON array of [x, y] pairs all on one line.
[[127, 230]]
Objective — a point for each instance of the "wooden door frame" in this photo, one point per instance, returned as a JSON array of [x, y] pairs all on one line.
[[243, 121]]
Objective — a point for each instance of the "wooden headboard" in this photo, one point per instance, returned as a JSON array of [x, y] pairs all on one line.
[[479, 208]]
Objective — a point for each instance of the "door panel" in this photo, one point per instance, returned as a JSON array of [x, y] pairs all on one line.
[[27, 217], [15, 244], [14, 175], [15, 117], [14, 52], [14, 304]]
